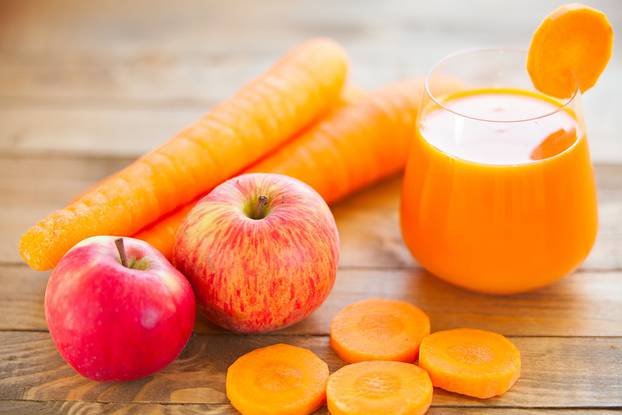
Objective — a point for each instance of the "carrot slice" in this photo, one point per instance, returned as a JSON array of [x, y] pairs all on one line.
[[353, 147], [570, 49], [379, 387], [470, 362], [265, 113], [378, 329], [278, 379], [554, 144]]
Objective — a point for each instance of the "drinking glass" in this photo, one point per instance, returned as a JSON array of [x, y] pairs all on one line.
[[499, 193]]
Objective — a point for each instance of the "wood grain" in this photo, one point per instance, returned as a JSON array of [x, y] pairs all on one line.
[[114, 57], [79, 408], [116, 31], [584, 304], [86, 87], [131, 127], [368, 222], [56, 59], [98, 133], [557, 372]]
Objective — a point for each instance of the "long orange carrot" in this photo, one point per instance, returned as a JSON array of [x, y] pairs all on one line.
[[161, 234], [262, 115], [354, 147], [351, 148]]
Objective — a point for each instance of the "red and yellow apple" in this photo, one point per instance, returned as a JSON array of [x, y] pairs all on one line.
[[260, 250], [118, 310]]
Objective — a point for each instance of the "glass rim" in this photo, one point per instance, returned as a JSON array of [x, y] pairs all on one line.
[[564, 104]]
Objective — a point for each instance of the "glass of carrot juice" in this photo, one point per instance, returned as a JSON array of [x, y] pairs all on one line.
[[499, 194]]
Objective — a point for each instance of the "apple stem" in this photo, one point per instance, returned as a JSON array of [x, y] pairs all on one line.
[[262, 202], [121, 248]]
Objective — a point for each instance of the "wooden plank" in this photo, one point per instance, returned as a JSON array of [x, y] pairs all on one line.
[[100, 133], [80, 83], [89, 62], [131, 85], [116, 131], [77, 407], [584, 304], [557, 372], [34, 30], [47, 32], [368, 221]]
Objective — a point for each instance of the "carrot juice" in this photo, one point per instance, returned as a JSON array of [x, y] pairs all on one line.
[[499, 195]]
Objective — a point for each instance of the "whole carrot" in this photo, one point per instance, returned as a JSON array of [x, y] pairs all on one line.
[[354, 146], [161, 234], [297, 89]]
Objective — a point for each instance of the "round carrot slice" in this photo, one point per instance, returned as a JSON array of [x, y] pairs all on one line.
[[378, 329], [553, 144], [379, 387], [278, 379], [570, 49], [471, 362]]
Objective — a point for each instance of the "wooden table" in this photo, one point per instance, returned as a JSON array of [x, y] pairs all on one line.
[[87, 86]]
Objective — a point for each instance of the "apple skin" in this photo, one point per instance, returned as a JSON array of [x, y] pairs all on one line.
[[258, 275], [111, 322]]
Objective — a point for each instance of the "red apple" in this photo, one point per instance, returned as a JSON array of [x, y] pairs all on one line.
[[115, 318], [260, 250]]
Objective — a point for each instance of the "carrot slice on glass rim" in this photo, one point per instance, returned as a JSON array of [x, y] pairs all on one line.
[[569, 49]]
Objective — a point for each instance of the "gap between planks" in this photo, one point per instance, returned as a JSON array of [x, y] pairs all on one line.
[[70, 407], [281, 334], [554, 373], [15, 264], [368, 221], [583, 304]]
